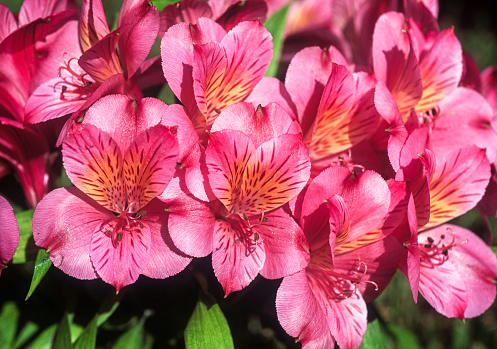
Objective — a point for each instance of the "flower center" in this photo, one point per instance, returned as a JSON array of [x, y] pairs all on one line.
[[435, 253], [74, 84], [245, 230]]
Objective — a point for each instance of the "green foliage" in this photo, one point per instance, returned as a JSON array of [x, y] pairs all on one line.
[[88, 338], [63, 336], [404, 338], [25, 249], [166, 95], [42, 264], [373, 338], [160, 4], [276, 26], [135, 337], [207, 327]]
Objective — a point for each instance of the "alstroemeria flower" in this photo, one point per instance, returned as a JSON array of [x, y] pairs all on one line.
[[9, 233], [209, 69], [105, 63], [256, 163], [111, 225], [339, 213]]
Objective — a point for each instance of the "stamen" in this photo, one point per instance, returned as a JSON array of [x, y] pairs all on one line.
[[437, 253]]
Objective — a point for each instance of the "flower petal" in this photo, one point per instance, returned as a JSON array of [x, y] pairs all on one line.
[[92, 24], [9, 233], [93, 162]]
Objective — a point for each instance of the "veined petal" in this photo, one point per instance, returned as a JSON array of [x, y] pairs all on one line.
[[441, 69], [130, 117], [101, 61], [240, 12], [9, 233], [302, 319], [63, 224], [34, 9], [93, 162], [120, 250], [8, 22], [235, 267], [226, 156], [458, 184], [187, 11], [275, 173], [92, 24], [149, 164], [395, 62], [338, 100], [272, 90]]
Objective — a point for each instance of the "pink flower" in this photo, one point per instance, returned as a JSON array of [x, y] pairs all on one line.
[[111, 225], [256, 164], [9, 233]]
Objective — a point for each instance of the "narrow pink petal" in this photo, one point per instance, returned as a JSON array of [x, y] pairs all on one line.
[[187, 11], [339, 222], [120, 261], [259, 123], [9, 233], [395, 62], [458, 184], [92, 24], [130, 117], [191, 225], [387, 108], [63, 224], [287, 250], [101, 61], [302, 319], [465, 118], [441, 69], [329, 134], [235, 267], [136, 36], [93, 162], [8, 22], [226, 156], [240, 12], [274, 174], [165, 259]]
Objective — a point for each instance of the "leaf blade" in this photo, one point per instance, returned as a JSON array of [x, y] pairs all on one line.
[[42, 264]]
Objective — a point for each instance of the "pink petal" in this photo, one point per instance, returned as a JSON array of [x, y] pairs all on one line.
[[272, 90], [9, 233], [137, 35], [119, 261], [259, 123], [191, 224], [149, 164], [63, 224], [441, 69], [34, 9], [458, 184], [465, 118], [130, 117], [233, 265], [187, 11], [240, 12], [165, 260], [286, 248], [8, 22], [302, 319], [394, 61], [101, 61], [274, 174], [93, 162], [92, 24]]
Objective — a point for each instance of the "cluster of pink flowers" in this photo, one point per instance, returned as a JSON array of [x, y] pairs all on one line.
[[331, 180]]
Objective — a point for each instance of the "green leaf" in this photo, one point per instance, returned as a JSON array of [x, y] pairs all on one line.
[[63, 337], [42, 264], [106, 311], [276, 26], [160, 4], [166, 95], [8, 324], [25, 334], [24, 220], [404, 338], [207, 328], [45, 339], [13, 5], [88, 338], [132, 338], [373, 338], [494, 248]]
